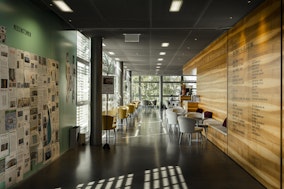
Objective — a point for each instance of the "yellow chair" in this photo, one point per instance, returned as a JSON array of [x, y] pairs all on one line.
[[136, 103], [122, 114], [113, 113], [131, 109], [107, 125]]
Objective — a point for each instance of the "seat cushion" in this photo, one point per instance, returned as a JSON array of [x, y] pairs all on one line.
[[208, 114], [225, 123]]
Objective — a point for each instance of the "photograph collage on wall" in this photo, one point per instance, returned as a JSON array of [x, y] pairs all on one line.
[[29, 112]]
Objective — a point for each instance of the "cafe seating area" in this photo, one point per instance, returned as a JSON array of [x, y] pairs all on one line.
[[212, 129], [196, 126], [139, 154], [122, 114]]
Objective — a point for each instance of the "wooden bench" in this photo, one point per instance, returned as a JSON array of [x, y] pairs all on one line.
[[217, 133]]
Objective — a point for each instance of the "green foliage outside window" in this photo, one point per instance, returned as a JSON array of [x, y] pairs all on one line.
[[149, 86]]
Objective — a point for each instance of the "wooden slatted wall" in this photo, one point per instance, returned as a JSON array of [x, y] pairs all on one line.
[[211, 65], [248, 59], [254, 94]]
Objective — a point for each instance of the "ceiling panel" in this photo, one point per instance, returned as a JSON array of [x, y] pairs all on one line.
[[188, 31]]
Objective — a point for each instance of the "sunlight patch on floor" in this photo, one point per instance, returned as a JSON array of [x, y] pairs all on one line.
[[162, 177]]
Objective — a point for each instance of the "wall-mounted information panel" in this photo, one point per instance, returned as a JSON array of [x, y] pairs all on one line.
[[29, 113]]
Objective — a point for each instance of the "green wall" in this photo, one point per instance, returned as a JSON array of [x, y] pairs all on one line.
[[47, 38], [67, 116]]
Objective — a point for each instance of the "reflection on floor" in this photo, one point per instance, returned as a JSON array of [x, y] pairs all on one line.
[[145, 155]]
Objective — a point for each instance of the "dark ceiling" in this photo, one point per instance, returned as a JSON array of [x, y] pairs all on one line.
[[198, 23]]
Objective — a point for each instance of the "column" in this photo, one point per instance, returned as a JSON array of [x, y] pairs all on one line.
[[121, 83], [161, 92], [96, 91], [139, 88], [130, 86]]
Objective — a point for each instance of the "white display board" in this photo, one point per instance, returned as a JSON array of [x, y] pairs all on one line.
[[108, 85]]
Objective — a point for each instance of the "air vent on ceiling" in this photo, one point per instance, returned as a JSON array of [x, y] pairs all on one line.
[[132, 38]]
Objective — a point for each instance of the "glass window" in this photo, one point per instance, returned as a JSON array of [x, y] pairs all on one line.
[[150, 78], [83, 117], [148, 88], [110, 101], [135, 90], [83, 83], [150, 91], [171, 89], [190, 78], [171, 78], [108, 64], [135, 78], [83, 47], [83, 96]]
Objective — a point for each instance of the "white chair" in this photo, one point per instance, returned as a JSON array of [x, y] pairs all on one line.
[[172, 119], [188, 126]]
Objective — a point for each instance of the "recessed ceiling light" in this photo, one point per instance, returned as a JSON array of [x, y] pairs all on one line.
[[160, 59], [111, 53], [159, 63], [158, 66], [165, 44], [104, 45], [176, 5], [62, 6], [117, 58], [162, 53], [195, 39]]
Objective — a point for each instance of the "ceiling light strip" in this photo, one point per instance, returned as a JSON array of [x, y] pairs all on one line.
[[176, 5], [165, 44], [62, 6]]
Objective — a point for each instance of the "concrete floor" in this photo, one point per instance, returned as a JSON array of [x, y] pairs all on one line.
[[146, 155]]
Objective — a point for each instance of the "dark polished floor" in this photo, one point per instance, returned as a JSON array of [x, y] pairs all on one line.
[[147, 155]]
